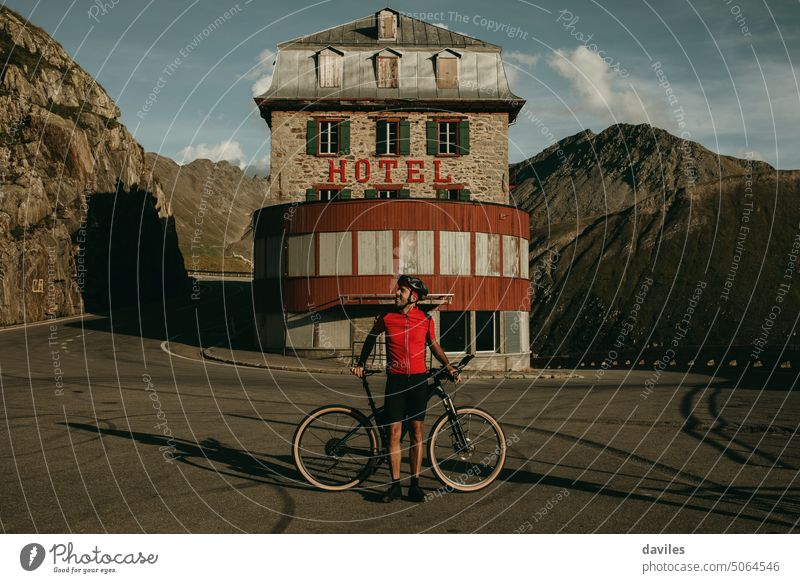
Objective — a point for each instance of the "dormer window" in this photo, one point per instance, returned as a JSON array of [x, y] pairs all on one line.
[[387, 25], [388, 68], [447, 69], [329, 67]]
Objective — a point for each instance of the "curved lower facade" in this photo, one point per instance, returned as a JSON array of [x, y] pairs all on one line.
[[324, 270]]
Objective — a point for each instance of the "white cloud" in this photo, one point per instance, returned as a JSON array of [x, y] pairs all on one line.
[[597, 85], [520, 58], [441, 25], [228, 150], [262, 72], [515, 61]]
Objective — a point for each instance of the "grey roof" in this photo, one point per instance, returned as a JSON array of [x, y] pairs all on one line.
[[482, 81], [410, 31]]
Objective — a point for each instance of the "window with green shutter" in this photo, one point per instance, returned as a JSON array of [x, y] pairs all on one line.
[[463, 137], [431, 141], [311, 194], [387, 134], [344, 137], [370, 193], [404, 193], [465, 194], [346, 194], [405, 137], [311, 137]]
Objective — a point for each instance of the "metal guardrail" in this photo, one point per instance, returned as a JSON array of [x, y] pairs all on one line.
[[232, 274]]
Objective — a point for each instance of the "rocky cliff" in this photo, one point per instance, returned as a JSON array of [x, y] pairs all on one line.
[[212, 204], [82, 224], [640, 240]]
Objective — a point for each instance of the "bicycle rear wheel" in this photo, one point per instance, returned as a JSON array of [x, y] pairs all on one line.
[[477, 466], [335, 447]]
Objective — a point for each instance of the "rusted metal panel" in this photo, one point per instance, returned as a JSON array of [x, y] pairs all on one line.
[[300, 255], [487, 254], [416, 252], [335, 253], [454, 253], [469, 293], [511, 258], [375, 252], [407, 215]]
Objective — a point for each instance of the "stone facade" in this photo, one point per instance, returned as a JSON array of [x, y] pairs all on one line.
[[484, 170]]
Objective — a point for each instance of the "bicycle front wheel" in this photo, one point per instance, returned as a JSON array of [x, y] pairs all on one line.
[[470, 468], [335, 447]]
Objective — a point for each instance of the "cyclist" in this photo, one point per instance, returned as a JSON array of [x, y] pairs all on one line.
[[407, 330]]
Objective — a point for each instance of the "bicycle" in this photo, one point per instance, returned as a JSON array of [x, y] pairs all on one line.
[[337, 447]]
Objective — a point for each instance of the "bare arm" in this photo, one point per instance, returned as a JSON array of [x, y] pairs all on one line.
[[439, 354], [369, 344]]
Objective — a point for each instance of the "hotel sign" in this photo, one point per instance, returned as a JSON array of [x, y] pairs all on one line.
[[388, 171]]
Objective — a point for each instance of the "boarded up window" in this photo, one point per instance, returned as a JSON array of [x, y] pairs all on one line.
[[336, 253], [387, 25], [416, 251], [330, 69], [454, 253], [487, 254], [387, 71], [299, 331], [300, 255], [515, 332], [333, 331], [446, 72], [375, 252], [523, 257], [510, 256]]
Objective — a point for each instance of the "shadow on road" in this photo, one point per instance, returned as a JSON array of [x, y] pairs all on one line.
[[237, 463], [221, 315]]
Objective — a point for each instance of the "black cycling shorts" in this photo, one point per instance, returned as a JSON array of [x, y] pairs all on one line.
[[406, 397]]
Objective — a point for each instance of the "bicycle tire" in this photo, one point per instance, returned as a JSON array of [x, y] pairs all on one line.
[[463, 465], [307, 459]]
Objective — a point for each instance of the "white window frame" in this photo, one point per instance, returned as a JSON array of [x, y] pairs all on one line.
[[391, 144], [447, 146], [325, 137]]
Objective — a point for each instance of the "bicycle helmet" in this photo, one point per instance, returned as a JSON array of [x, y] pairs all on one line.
[[415, 284]]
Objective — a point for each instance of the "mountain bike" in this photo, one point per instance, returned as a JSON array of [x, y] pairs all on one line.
[[337, 447]]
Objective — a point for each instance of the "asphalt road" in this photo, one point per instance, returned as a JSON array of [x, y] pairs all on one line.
[[82, 446]]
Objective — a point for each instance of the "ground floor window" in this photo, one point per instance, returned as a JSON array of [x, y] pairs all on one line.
[[387, 193], [454, 331], [329, 194], [487, 331]]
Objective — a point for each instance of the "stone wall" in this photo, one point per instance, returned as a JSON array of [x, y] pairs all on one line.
[[484, 171]]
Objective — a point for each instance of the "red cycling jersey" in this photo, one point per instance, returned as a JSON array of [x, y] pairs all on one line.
[[406, 338]]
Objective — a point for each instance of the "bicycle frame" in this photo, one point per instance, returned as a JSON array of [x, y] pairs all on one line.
[[459, 439]]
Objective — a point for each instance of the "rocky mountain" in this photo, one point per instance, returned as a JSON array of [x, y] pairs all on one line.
[[640, 239], [82, 223], [212, 204]]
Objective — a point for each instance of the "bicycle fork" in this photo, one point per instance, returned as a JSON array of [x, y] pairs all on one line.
[[460, 440]]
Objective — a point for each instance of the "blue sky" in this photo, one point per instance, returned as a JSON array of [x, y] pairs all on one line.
[[721, 72]]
